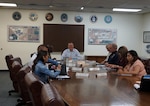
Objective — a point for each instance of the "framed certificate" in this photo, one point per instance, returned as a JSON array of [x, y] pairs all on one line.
[[146, 36]]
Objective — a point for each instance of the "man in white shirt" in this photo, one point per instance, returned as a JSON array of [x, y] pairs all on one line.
[[108, 47], [71, 53]]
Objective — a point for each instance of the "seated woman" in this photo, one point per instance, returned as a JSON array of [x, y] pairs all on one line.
[[122, 51], [134, 65], [41, 70]]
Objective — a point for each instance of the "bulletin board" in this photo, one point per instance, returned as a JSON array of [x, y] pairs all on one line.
[[101, 36], [23, 33]]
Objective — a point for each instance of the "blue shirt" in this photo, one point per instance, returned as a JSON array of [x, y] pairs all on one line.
[[44, 73], [71, 54], [30, 63], [113, 58], [54, 62]]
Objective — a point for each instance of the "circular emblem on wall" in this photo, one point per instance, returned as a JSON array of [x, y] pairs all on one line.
[[93, 18], [108, 19], [16, 15], [64, 17], [33, 16], [78, 19], [49, 16]]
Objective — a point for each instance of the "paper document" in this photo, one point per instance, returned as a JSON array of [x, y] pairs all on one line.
[[136, 86], [82, 74], [75, 69], [101, 74], [94, 69], [62, 76], [125, 74]]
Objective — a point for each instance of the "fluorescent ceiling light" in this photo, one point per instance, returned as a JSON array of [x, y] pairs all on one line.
[[82, 8], [126, 10], [50, 6], [8, 4]]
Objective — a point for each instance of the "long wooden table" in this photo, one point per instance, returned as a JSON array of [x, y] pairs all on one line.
[[110, 90]]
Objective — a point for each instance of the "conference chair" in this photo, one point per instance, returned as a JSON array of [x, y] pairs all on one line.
[[23, 91], [147, 66], [9, 61], [34, 86], [146, 63], [50, 96], [16, 66]]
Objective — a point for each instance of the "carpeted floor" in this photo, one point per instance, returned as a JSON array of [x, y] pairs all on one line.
[[5, 86]]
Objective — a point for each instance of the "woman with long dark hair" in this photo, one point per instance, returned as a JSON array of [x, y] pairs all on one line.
[[134, 65], [41, 70]]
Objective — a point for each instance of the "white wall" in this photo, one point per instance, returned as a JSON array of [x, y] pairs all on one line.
[[146, 27], [129, 32]]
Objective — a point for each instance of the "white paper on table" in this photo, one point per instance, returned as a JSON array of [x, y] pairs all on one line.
[[125, 74], [62, 76], [82, 74], [75, 69], [136, 86], [101, 74], [94, 69]]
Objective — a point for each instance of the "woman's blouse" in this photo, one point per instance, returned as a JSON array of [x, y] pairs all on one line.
[[142, 68]]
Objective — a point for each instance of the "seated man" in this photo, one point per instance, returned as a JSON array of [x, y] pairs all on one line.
[[71, 52], [108, 47], [34, 55], [43, 48], [114, 56]]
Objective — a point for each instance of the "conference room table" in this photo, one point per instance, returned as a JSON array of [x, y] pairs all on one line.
[[107, 90]]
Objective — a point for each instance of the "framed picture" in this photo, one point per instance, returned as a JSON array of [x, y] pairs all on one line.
[[24, 33], [101, 36], [146, 36]]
